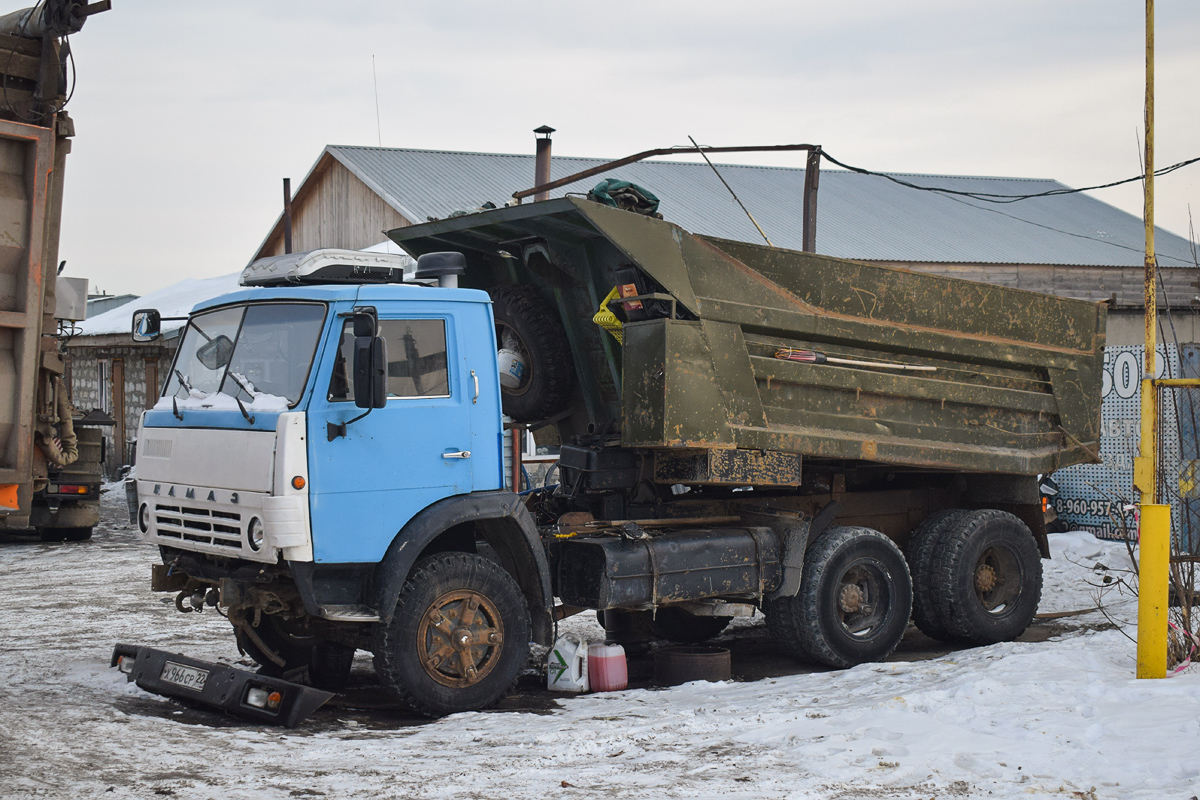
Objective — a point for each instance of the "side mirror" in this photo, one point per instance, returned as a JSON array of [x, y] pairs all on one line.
[[370, 371], [366, 321], [147, 325], [216, 353]]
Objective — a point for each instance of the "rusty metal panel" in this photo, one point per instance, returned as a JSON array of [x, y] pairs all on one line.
[[727, 468], [26, 156], [671, 398]]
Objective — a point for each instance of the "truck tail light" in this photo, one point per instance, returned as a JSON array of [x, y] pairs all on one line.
[[66, 488]]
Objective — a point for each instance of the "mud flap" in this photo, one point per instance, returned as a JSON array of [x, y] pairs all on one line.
[[219, 686]]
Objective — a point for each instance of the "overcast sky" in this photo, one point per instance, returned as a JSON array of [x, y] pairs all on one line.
[[189, 114]]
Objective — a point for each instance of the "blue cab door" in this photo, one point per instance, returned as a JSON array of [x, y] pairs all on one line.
[[397, 460]]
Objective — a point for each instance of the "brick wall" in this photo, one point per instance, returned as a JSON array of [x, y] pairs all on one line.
[[112, 376]]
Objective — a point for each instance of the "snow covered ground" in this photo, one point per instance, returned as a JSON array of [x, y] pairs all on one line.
[[1062, 717]]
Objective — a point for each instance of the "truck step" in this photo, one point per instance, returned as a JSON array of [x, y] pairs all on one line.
[[349, 613]]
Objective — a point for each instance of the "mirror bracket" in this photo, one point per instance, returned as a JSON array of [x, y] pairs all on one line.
[[338, 430]]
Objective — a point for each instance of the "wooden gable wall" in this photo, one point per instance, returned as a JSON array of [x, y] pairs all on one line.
[[334, 209]]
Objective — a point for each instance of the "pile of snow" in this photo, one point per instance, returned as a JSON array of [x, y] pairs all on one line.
[[196, 399], [388, 247], [176, 300]]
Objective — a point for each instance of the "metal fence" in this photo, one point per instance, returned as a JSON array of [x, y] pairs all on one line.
[[1178, 455]]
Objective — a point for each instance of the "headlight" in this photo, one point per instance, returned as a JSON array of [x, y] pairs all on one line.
[[255, 534], [144, 518]]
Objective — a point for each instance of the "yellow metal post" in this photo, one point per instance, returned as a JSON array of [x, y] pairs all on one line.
[[1155, 527], [1155, 549]]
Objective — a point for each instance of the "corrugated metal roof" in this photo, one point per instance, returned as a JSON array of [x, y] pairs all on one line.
[[858, 216]]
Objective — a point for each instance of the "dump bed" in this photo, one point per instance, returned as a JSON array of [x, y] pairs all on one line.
[[31, 161], [1015, 386]]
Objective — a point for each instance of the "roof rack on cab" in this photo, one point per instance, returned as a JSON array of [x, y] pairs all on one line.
[[327, 265]]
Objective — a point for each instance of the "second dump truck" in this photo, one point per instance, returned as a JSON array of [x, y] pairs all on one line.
[[835, 444]]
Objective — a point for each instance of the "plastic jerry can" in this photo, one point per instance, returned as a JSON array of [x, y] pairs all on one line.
[[567, 665], [607, 671]]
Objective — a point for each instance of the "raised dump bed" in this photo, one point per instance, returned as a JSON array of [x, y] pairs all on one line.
[[951, 375]]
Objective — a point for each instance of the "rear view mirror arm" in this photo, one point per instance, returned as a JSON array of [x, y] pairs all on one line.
[[338, 430]]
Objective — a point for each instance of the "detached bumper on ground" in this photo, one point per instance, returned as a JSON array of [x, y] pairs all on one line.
[[219, 686]]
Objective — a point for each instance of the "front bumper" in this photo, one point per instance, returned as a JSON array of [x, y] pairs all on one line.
[[225, 688]]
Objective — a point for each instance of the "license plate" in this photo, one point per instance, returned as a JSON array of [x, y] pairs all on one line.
[[187, 677]]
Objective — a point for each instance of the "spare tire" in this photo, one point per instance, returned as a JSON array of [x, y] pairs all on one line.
[[537, 375]]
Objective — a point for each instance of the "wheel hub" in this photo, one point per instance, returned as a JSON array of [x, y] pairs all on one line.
[[851, 598], [985, 578], [516, 367], [459, 638]]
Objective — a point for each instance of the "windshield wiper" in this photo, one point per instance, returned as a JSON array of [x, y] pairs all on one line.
[[247, 387], [249, 417], [183, 381]]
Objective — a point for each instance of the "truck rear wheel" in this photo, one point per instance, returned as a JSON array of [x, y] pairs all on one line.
[[677, 625], [307, 659], [985, 580], [541, 374], [853, 604], [458, 638], [920, 551]]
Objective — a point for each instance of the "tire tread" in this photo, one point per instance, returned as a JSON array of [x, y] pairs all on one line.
[[920, 552], [950, 588], [431, 571], [795, 622], [554, 373]]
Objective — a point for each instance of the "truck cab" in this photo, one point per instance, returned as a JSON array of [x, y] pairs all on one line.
[[271, 491]]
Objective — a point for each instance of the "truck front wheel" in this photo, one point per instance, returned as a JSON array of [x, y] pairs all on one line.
[[854, 600], [458, 638], [985, 578]]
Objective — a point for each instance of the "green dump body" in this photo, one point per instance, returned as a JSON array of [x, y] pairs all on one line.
[[1016, 388]]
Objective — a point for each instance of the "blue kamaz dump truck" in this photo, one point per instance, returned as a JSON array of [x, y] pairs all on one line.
[[743, 429]]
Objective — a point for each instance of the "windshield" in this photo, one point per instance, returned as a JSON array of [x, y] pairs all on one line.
[[258, 354]]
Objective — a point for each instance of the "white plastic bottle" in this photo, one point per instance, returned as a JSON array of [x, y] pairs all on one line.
[[567, 665]]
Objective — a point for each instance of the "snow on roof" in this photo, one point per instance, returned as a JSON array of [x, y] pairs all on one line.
[[176, 300], [387, 247]]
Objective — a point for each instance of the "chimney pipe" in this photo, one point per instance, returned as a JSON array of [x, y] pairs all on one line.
[[287, 215], [541, 164]]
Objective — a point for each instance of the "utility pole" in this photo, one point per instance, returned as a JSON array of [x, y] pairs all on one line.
[[1154, 530]]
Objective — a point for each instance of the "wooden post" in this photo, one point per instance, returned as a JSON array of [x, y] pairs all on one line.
[[287, 215]]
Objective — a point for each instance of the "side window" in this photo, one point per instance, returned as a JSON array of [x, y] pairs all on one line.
[[416, 352]]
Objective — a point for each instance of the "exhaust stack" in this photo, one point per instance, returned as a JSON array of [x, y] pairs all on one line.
[[541, 164]]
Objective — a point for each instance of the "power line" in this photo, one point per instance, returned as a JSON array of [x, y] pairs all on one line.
[[1158, 256], [988, 197]]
